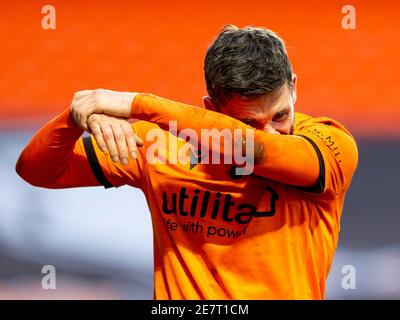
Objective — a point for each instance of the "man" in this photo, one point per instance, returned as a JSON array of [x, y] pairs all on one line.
[[267, 234]]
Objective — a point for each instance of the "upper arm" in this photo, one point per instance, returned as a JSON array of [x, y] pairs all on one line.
[[108, 173], [89, 166], [58, 157]]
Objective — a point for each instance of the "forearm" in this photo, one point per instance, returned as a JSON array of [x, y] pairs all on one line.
[[52, 158], [283, 158], [159, 110]]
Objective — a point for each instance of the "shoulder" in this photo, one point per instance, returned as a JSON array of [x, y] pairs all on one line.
[[303, 121], [333, 141], [323, 128]]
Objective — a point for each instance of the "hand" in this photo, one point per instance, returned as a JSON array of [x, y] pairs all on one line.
[[114, 135], [113, 103]]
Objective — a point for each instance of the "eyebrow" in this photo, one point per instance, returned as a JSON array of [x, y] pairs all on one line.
[[278, 114], [282, 112]]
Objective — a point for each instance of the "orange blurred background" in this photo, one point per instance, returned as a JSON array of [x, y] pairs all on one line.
[[158, 46]]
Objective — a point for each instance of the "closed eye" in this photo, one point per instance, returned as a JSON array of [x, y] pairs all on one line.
[[280, 116]]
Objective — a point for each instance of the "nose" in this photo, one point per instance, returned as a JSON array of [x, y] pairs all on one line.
[[270, 129]]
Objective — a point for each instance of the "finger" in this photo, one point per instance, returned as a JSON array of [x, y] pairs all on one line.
[[108, 136], [120, 139], [79, 118], [139, 141], [82, 109], [78, 99], [98, 135], [130, 139], [83, 122]]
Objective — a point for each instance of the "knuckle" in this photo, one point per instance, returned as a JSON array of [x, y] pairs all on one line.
[[119, 136], [130, 133], [111, 146], [122, 145], [131, 142], [123, 155], [96, 131], [94, 95], [77, 109], [108, 135], [97, 92], [113, 153], [91, 121], [133, 150]]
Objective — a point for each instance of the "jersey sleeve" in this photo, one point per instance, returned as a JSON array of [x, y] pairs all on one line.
[[59, 157], [110, 174], [337, 154], [287, 158], [320, 157]]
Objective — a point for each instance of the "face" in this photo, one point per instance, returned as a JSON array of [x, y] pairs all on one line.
[[272, 112]]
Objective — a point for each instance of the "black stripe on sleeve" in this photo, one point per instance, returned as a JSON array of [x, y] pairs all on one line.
[[320, 186], [94, 163]]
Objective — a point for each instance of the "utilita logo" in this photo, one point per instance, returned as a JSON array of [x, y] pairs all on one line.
[[214, 205]]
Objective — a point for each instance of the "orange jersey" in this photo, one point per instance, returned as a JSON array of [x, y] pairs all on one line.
[[268, 235]]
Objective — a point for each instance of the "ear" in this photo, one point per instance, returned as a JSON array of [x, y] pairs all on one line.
[[294, 90], [209, 104]]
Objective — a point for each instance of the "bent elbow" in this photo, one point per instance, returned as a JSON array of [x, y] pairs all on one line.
[[21, 167], [25, 168]]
